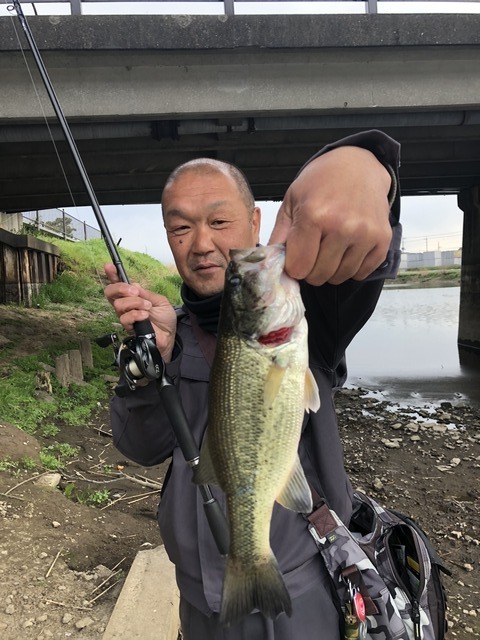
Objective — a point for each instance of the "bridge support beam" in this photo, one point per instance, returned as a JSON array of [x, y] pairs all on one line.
[[469, 320]]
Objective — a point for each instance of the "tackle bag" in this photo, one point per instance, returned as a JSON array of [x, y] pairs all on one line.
[[385, 571]]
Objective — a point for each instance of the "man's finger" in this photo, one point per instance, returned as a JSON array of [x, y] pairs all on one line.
[[111, 273]]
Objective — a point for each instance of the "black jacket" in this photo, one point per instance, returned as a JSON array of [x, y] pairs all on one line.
[[142, 432]]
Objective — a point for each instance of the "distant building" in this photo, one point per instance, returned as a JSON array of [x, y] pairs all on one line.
[[428, 259]]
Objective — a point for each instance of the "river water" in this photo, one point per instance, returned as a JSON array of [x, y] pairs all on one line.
[[407, 352]]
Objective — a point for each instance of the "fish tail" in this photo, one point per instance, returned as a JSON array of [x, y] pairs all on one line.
[[258, 587]]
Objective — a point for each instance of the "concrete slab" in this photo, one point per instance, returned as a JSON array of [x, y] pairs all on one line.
[[147, 607]]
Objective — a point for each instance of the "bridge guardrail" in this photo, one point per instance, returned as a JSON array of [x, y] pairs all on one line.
[[371, 6]]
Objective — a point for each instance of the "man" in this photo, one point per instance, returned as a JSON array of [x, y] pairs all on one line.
[[337, 220]]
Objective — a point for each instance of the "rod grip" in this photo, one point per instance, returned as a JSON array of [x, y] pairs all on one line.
[[176, 413], [218, 525]]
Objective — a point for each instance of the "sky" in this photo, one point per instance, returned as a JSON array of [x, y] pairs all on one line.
[[258, 7], [429, 223]]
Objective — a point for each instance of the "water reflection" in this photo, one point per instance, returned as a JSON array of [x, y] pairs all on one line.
[[408, 349]]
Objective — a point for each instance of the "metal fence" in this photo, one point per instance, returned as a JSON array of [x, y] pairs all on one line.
[[58, 223], [227, 7]]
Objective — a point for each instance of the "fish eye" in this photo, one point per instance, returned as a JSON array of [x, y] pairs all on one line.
[[234, 280]]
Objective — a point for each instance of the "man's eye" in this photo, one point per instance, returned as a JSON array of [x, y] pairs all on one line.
[[219, 223], [179, 231]]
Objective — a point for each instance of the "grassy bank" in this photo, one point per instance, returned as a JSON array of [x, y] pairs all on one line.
[[69, 309], [433, 277]]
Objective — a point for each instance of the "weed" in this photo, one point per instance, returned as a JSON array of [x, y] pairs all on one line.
[[48, 430], [27, 463], [15, 466], [55, 456], [7, 464], [98, 497], [89, 497]]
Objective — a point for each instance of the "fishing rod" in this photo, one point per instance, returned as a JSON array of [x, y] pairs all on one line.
[[137, 356]]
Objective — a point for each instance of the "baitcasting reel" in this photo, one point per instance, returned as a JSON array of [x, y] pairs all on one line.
[[137, 357]]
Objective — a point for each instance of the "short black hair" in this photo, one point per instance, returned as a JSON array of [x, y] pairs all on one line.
[[210, 165]]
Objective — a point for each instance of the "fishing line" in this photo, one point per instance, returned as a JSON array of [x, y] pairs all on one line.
[[11, 8]]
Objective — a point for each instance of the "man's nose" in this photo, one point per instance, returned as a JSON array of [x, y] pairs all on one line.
[[202, 240]]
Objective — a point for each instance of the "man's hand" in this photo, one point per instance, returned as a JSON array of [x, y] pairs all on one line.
[[133, 303], [334, 218]]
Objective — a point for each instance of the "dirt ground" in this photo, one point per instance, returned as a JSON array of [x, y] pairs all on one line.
[[63, 563]]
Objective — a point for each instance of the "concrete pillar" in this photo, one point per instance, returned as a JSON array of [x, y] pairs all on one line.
[[469, 320], [11, 221]]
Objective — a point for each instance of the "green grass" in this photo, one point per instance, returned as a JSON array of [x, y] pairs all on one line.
[[71, 406], [90, 497], [55, 456], [78, 288], [81, 278], [424, 275]]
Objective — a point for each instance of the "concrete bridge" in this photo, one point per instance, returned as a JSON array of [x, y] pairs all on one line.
[[144, 93]]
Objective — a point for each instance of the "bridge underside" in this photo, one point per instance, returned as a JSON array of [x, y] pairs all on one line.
[[144, 93], [128, 162]]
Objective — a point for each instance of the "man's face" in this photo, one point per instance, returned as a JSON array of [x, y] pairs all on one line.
[[205, 216]]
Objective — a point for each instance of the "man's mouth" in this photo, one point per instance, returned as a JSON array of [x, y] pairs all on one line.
[[206, 266]]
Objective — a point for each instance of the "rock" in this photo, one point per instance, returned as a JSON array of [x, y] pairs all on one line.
[[412, 426], [50, 481], [454, 462], [439, 428], [67, 617], [102, 572], [377, 484], [43, 395], [84, 622], [10, 609], [56, 524], [394, 443]]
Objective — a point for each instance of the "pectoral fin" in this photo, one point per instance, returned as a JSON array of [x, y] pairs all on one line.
[[272, 384], [204, 473], [312, 397], [296, 494]]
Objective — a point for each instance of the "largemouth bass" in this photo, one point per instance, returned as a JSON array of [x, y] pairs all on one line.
[[260, 386]]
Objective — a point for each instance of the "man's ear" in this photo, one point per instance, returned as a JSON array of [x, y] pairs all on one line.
[[256, 221]]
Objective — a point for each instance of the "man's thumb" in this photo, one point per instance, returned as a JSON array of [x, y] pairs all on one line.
[[281, 228]]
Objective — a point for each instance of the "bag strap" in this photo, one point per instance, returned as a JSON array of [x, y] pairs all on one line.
[[323, 523]]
